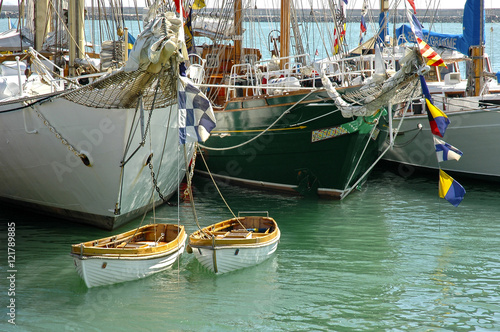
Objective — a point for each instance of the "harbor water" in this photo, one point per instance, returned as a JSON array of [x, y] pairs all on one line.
[[392, 256]]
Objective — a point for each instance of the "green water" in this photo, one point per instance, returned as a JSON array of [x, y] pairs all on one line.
[[391, 257]]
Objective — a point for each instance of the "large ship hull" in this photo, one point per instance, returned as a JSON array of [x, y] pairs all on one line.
[[475, 133], [311, 149], [39, 168]]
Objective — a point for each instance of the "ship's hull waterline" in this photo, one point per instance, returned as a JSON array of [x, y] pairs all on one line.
[[312, 149], [112, 183]]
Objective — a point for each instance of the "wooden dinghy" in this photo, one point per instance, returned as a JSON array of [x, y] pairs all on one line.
[[128, 256], [235, 243]]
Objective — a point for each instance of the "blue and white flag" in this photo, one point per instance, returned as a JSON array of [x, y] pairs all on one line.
[[445, 151], [196, 116], [131, 42]]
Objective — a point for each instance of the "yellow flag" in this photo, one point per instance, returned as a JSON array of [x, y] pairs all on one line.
[[198, 4]]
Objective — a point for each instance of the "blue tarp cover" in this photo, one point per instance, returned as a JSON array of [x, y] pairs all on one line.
[[434, 39], [471, 31]]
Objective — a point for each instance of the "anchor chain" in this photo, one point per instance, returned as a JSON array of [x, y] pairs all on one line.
[[60, 137], [155, 183]]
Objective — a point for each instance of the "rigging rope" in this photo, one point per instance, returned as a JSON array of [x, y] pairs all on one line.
[[218, 190], [191, 198], [361, 156], [263, 132]]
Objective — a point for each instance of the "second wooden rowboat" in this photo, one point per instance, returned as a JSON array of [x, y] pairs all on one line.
[[235, 243]]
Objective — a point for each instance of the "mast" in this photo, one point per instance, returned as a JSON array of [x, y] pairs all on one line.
[[41, 23], [76, 23], [238, 22], [383, 21], [285, 32], [299, 47], [477, 54]]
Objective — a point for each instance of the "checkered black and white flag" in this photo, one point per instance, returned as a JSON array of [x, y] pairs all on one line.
[[196, 116]]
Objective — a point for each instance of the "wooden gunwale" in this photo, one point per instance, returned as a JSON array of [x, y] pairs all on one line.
[[197, 239], [95, 248]]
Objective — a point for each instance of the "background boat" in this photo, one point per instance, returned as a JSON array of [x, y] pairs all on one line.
[[277, 127], [470, 100]]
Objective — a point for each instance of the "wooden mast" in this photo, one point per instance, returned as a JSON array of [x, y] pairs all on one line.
[[384, 8], [76, 28], [285, 32], [477, 54], [384, 5], [238, 22]]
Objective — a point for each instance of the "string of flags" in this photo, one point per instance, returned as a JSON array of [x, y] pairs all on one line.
[[449, 188], [445, 151], [340, 30], [437, 119]]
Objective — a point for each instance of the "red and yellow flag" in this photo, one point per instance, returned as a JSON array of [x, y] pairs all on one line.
[[433, 59]]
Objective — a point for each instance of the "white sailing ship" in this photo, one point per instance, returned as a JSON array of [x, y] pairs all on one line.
[[93, 153]]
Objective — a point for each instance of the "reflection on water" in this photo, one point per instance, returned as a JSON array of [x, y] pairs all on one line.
[[392, 256]]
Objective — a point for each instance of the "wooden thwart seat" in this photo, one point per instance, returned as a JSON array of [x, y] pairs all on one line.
[[132, 245], [239, 233]]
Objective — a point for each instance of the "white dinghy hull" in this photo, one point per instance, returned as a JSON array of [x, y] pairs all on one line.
[[100, 271], [129, 256], [223, 260], [235, 243]]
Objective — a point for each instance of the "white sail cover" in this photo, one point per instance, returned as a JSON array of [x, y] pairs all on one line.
[[212, 27], [153, 47]]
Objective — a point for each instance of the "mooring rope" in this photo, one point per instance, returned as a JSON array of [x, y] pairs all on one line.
[[260, 134], [218, 190]]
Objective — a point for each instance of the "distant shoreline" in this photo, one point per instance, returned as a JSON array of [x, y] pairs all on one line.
[[353, 15]]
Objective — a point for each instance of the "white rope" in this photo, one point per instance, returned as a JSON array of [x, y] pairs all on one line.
[[218, 190], [262, 133], [377, 160], [361, 157]]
